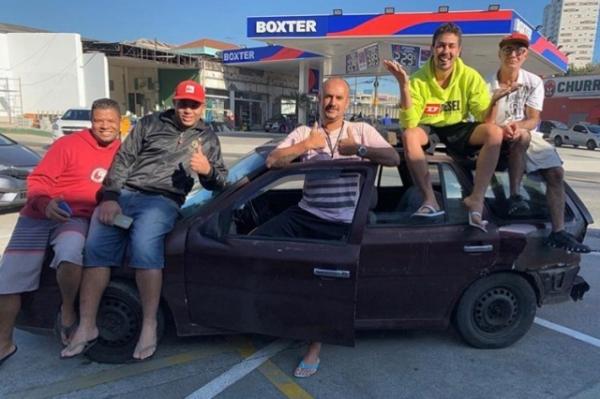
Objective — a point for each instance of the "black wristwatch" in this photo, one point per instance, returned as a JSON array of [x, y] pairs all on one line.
[[361, 151]]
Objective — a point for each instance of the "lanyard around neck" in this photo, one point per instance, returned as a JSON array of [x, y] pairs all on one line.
[[332, 148]]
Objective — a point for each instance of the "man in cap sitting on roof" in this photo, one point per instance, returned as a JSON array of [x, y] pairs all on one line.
[[519, 116]]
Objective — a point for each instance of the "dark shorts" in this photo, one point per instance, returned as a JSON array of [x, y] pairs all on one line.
[[296, 222], [456, 137]]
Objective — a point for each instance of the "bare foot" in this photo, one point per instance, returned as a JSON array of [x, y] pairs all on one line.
[[146, 345]]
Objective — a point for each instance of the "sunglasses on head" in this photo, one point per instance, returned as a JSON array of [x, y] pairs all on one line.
[[519, 50], [188, 104]]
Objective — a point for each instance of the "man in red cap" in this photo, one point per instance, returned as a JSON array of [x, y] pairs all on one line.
[[147, 183], [519, 115]]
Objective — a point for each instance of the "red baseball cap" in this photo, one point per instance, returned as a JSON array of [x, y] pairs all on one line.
[[189, 90], [515, 37]]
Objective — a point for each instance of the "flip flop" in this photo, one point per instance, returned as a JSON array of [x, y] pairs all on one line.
[[63, 332], [9, 355], [143, 350], [482, 225], [427, 211], [84, 345], [305, 370]]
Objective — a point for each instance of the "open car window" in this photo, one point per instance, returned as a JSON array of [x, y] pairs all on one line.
[[533, 191], [331, 194]]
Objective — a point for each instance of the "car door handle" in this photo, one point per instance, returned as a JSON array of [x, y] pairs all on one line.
[[472, 249], [332, 273]]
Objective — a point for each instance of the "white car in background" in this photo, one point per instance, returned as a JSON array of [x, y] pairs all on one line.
[[73, 120], [580, 134]]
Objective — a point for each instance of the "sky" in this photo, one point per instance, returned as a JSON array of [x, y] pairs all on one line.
[[177, 22]]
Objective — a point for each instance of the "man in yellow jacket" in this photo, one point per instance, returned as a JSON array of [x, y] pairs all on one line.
[[440, 98]]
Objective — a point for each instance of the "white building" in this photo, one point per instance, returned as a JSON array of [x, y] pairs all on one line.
[[573, 24]]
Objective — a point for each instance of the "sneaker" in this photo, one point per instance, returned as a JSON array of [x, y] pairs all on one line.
[[564, 240], [517, 205]]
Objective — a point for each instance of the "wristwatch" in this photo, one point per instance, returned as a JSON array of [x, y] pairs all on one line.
[[362, 151]]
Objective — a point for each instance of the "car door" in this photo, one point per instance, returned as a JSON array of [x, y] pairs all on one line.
[[412, 271], [279, 286], [579, 135]]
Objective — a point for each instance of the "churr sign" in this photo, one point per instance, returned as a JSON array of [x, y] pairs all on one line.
[[287, 26]]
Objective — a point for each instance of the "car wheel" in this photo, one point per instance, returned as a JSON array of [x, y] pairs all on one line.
[[558, 141], [120, 323], [496, 311], [591, 145]]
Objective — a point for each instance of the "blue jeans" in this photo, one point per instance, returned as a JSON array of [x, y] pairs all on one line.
[[153, 218]]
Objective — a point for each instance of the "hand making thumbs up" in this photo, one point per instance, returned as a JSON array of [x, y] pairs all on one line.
[[199, 163], [316, 138], [348, 145]]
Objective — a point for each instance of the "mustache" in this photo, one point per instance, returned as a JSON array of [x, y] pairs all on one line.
[[329, 107]]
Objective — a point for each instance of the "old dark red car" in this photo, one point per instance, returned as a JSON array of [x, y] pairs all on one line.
[[390, 272]]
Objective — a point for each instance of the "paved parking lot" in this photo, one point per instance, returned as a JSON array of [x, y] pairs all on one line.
[[558, 358]]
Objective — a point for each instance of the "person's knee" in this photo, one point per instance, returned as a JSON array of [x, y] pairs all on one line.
[[413, 140], [492, 134], [554, 176]]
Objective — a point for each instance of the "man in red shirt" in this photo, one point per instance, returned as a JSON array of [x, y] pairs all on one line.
[[62, 194]]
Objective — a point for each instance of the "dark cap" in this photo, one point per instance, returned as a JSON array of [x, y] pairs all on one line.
[[513, 38]]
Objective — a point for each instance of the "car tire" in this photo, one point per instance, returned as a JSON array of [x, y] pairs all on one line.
[[120, 322], [591, 145], [557, 141], [496, 311]]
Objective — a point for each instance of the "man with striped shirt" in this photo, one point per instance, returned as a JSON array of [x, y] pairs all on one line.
[[328, 202]]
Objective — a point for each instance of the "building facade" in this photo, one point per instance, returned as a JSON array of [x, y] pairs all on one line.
[[573, 24], [572, 99]]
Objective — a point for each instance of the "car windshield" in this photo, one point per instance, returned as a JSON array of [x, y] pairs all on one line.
[[594, 128], [241, 169], [5, 141], [77, 115], [560, 125]]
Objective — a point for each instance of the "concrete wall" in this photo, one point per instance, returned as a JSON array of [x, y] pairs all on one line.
[[95, 69], [50, 66]]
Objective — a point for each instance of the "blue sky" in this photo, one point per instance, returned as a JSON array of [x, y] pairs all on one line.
[[178, 22]]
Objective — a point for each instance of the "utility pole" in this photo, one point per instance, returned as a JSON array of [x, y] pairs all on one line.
[[375, 95]]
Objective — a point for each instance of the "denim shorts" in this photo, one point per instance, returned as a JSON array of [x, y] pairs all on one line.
[[143, 243]]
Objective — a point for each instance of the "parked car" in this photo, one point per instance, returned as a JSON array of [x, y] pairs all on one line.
[[580, 134], [280, 124], [546, 127], [390, 272], [16, 162], [73, 120]]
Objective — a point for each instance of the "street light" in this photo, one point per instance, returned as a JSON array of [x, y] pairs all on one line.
[[389, 10], [443, 9], [338, 11], [494, 7]]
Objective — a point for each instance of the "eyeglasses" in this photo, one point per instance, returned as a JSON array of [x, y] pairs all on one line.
[[187, 104], [508, 50]]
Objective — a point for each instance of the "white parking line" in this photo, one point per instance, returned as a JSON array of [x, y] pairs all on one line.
[[240, 370], [567, 331]]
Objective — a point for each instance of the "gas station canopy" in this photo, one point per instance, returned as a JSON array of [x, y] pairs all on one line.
[[354, 45]]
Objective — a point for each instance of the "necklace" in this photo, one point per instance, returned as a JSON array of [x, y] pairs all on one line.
[[332, 148]]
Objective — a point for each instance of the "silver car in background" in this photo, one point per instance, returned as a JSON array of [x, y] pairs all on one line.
[[580, 134], [74, 120], [16, 162]]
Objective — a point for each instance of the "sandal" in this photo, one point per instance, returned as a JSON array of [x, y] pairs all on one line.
[[5, 358], [84, 345], [62, 331], [305, 370], [482, 225], [427, 211]]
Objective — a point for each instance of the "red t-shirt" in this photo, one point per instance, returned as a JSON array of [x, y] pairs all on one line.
[[73, 168]]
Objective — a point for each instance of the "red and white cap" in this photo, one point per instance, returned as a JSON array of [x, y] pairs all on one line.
[[189, 90]]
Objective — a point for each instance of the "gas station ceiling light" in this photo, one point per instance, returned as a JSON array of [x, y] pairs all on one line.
[[443, 9], [389, 10], [494, 7], [337, 11]]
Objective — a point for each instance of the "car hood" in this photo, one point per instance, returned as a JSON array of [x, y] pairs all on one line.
[[18, 156]]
